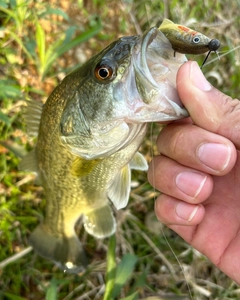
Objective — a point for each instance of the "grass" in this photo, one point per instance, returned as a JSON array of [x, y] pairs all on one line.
[[41, 42]]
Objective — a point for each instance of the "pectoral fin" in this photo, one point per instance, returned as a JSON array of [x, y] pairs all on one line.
[[82, 167], [119, 189], [100, 222], [139, 162]]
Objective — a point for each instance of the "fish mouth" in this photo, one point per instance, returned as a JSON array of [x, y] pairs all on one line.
[[155, 68]]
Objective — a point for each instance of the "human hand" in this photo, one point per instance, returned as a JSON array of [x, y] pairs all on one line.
[[198, 172]]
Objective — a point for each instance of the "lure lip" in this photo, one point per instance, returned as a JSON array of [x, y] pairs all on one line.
[[214, 45]]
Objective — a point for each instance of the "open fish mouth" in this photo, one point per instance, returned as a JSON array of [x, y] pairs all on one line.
[[155, 68]]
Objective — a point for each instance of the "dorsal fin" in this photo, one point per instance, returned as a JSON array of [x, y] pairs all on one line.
[[166, 22], [119, 189], [139, 162], [32, 116], [29, 163]]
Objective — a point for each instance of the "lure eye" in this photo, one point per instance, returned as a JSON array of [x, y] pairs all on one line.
[[214, 45], [196, 40], [103, 72]]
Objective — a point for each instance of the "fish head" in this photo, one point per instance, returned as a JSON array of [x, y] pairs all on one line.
[[131, 82], [151, 84]]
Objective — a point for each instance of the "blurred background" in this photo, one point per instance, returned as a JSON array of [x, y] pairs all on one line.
[[40, 42]]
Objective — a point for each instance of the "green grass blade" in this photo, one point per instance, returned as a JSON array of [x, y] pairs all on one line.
[[56, 51], [52, 292], [13, 297], [111, 268], [15, 148], [41, 44], [134, 296], [20, 43], [7, 11], [5, 119], [124, 271], [55, 11], [80, 39]]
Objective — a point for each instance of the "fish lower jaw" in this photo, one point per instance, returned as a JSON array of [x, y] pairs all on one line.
[[158, 113]]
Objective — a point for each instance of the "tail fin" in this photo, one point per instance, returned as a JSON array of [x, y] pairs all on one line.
[[100, 222], [66, 252]]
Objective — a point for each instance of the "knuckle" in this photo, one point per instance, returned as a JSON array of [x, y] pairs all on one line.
[[230, 106]]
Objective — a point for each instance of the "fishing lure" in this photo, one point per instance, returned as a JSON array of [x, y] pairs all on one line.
[[187, 41]]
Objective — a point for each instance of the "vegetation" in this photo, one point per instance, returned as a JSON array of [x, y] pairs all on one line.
[[40, 42]]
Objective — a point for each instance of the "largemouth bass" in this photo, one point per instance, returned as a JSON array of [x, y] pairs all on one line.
[[89, 131]]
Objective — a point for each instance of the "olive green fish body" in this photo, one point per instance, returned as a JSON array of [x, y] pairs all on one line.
[[68, 181], [89, 131]]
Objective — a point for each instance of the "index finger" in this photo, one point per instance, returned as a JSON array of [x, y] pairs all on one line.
[[209, 108]]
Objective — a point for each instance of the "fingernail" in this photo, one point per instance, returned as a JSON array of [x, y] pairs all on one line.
[[190, 183], [198, 78], [186, 211], [214, 156]]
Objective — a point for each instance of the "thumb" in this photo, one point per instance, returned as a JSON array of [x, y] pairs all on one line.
[[207, 106]]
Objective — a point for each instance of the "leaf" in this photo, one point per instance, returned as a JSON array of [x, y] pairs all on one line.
[[9, 91], [124, 271], [111, 268], [69, 34], [4, 118], [80, 39], [18, 150], [3, 4], [134, 296], [55, 11], [51, 293], [40, 39], [21, 44], [141, 280], [13, 297], [57, 50]]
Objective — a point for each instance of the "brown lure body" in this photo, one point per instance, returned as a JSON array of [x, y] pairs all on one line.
[[187, 41]]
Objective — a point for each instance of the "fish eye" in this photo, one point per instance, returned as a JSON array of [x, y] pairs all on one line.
[[103, 72], [196, 40]]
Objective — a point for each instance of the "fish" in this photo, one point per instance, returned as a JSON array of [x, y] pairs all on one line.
[[187, 41], [88, 134]]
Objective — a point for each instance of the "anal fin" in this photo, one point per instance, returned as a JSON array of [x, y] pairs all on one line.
[[100, 222], [119, 190]]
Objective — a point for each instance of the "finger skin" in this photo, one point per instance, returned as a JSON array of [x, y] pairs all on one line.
[[210, 219], [171, 211], [181, 182], [211, 109], [184, 142]]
